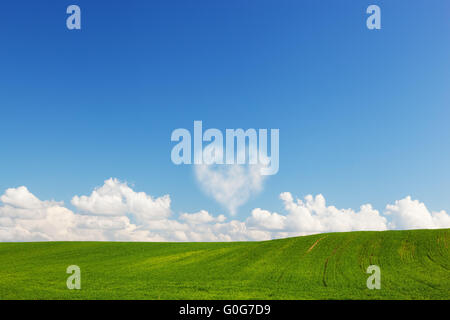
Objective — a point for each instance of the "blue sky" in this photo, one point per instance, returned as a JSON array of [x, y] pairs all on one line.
[[363, 115]]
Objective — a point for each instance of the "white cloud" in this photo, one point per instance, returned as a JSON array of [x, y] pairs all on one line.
[[116, 198], [21, 198], [24, 217], [230, 185], [263, 219], [140, 217], [312, 215], [202, 216], [412, 214], [21, 203]]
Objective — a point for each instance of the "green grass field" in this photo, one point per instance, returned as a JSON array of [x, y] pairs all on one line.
[[414, 265]]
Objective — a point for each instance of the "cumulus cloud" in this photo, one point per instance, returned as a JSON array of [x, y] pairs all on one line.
[[116, 198], [312, 215], [202, 216], [412, 214], [23, 217], [115, 212], [230, 185], [21, 203], [263, 219]]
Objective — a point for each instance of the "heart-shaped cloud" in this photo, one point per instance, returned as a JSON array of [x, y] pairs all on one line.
[[230, 185]]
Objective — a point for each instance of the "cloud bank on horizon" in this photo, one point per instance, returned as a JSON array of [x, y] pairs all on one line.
[[115, 212]]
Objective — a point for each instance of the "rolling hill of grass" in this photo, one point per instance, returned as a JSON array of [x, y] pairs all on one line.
[[414, 265]]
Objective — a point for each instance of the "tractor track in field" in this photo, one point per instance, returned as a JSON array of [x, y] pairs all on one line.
[[326, 265], [326, 261], [315, 243]]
